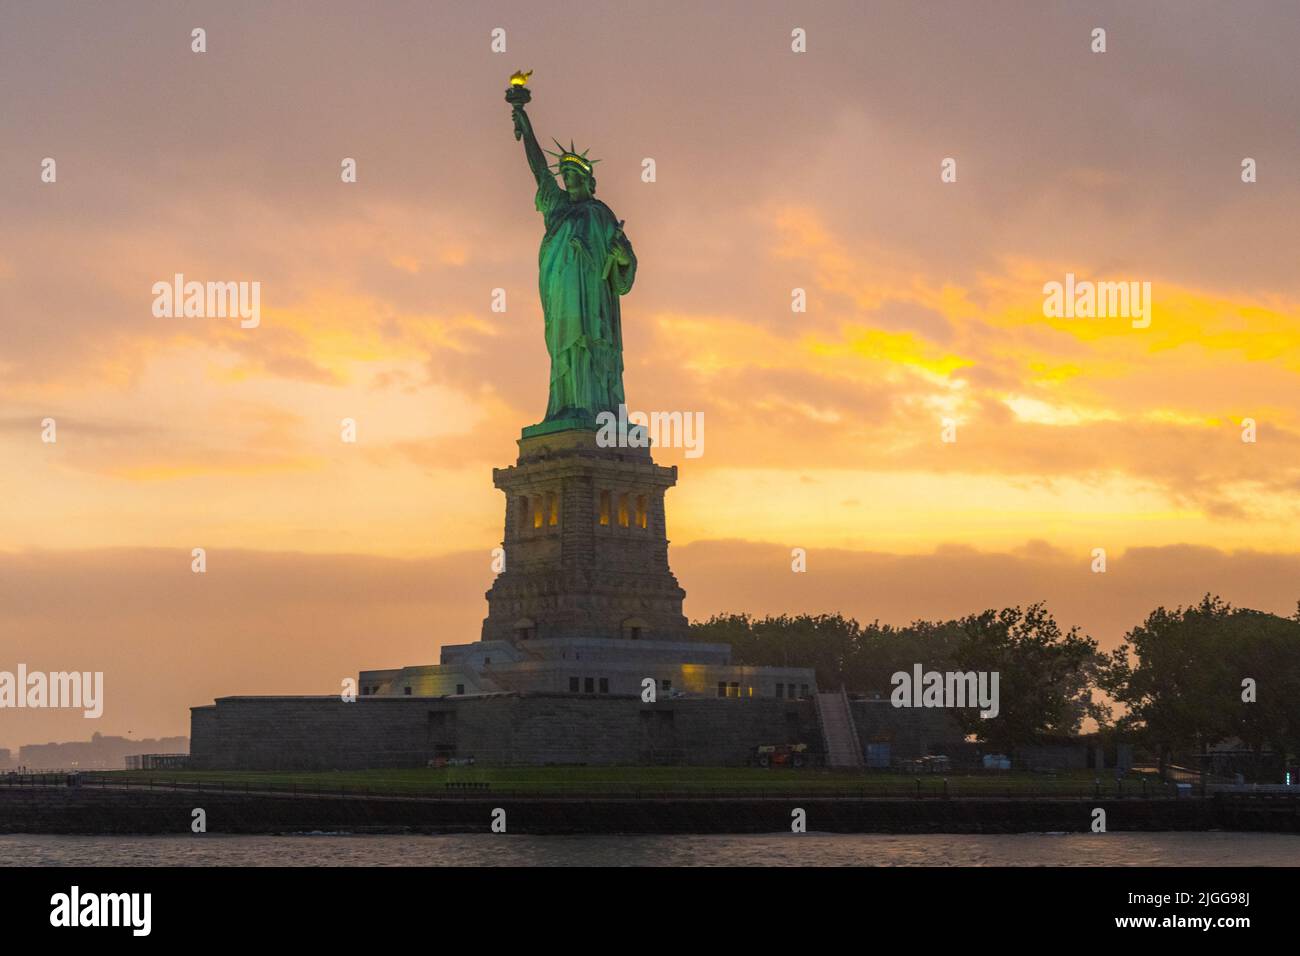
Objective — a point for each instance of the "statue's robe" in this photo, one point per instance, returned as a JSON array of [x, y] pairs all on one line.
[[584, 333]]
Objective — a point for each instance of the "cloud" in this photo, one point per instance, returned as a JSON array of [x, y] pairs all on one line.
[[775, 172]]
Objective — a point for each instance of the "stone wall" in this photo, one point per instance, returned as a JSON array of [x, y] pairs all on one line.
[[911, 732], [309, 733], [324, 733]]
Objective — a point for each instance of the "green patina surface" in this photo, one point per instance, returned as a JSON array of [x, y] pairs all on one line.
[[558, 425], [585, 265]]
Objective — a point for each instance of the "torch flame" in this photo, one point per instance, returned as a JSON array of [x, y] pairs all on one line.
[[520, 78]]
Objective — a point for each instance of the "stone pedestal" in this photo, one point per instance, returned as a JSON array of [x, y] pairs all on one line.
[[585, 542]]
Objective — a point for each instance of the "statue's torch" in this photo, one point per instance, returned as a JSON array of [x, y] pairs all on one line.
[[517, 95]]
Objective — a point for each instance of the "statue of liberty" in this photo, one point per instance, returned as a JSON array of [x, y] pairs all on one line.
[[584, 265]]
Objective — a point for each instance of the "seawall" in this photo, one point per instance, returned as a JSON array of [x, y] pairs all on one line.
[[92, 810]]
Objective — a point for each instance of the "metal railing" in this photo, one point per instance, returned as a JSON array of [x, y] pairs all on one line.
[[45, 778]]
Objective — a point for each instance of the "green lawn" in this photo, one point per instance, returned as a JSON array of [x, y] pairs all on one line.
[[559, 780]]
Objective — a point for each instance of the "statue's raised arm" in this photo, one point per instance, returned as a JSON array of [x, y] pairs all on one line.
[[517, 96]]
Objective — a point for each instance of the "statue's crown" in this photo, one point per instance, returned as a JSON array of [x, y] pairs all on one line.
[[571, 157]]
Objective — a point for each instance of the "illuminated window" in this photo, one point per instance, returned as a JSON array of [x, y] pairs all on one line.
[[622, 511], [733, 689], [538, 513], [604, 507], [640, 511], [553, 501]]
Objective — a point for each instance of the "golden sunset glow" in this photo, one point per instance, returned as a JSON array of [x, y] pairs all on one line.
[[824, 428]]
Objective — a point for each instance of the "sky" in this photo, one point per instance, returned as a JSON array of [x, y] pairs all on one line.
[[774, 171]]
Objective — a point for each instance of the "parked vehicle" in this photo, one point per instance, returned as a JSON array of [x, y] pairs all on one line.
[[781, 755]]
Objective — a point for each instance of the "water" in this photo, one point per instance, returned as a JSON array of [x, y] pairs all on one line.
[[810, 849]]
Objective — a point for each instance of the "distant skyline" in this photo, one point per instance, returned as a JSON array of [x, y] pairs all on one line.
[[93, 751], [775, 171]]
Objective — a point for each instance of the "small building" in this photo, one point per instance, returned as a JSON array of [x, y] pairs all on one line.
[[590, 666], [157, 761]]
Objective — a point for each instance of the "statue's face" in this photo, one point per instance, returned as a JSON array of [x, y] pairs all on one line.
[[576, 183]]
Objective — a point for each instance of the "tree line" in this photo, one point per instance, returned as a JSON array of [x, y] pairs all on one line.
[[1180, 681]]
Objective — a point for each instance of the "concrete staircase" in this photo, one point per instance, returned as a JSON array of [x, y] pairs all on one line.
[[839, 735]]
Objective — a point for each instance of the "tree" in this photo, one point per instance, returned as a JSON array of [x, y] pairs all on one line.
[[1045, 676], [1180, 675], [883, 650], [824, 642]]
